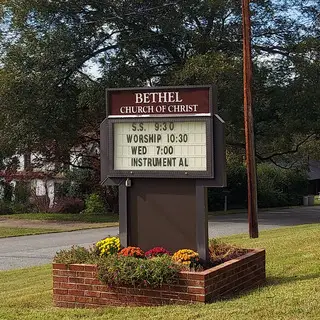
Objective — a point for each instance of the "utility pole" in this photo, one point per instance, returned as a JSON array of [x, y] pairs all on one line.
[[248, 122]]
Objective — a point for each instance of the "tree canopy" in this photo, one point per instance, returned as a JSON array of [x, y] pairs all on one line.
[[57, 57]]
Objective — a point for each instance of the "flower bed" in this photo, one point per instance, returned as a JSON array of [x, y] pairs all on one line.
[[76, 285]]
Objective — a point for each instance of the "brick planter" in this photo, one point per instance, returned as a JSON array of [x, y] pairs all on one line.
[[77, 285]]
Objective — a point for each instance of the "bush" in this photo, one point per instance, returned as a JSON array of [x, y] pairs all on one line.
[[220, 252], [68, 205], [237, 187], [280, 187], [22, 192], [277, 187], [75, 255], [124, 270], [112, 198], [94, 205], [40, 203], [7, 191], [5, 208], [270, 187], [22, 207]]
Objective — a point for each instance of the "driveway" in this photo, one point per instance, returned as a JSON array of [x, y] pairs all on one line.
[[20, 252], [224, 225]]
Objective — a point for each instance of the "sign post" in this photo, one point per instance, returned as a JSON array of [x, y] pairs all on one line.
[[163, 147]]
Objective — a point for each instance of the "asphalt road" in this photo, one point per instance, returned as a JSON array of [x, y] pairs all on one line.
[[21, 252]]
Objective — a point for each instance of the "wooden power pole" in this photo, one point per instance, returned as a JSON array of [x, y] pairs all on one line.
[[248, 122]]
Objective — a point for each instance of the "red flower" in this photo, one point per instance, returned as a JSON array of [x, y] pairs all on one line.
[[156, 252]]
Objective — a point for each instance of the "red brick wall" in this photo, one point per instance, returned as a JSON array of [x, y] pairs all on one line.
[[77, 285]]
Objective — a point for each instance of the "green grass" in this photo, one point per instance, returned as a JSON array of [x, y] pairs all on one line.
[[14, 232], [244, 210], [93, 218], [292, 291]]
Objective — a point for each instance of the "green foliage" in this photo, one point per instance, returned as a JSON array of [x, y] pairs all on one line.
[[79, 183], [21, 207], [237, 187], [123, 270], [22, 192], [94, 205], [76, 254], [276, 187], [7, 191], [280, 187], [5, 208], [46, 50]]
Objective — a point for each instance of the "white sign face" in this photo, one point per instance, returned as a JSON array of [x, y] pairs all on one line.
[[160, 146]]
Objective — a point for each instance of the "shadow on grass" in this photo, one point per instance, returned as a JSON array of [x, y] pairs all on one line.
[[272, 281]]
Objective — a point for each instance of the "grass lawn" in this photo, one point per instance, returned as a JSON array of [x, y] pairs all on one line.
[[90, 218], [14, 232], [292, 290]]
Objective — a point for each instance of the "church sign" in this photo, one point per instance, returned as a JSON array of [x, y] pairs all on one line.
[[160, 132], [163, 147]]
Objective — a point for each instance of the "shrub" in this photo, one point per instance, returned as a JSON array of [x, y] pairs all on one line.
[[186, 257], [112, 198], [7, 191], [125, 270], [94, 205], [40, 203], [108, 246], [68, 205], [22, 192], [76, 254], [22, 207], [156, 252], [135, 252], [276, 187], [237, 187], [220, 252], [280, 187], [5, 208]]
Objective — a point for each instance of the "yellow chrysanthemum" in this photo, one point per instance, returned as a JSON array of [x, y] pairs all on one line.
[[108, 246]]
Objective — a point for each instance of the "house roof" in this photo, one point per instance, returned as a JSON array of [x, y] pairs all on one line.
[[314, 170]]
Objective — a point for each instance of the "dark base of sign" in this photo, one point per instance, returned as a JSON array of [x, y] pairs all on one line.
[[164, 212]]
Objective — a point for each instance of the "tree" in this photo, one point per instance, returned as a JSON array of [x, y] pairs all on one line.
[[50, 102]]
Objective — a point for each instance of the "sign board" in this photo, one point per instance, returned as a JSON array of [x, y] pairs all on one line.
[[163, 147], [163, 101], [160, 146], [160, 132]]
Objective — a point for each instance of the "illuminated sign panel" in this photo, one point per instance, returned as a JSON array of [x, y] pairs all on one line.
[[160, 146]]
